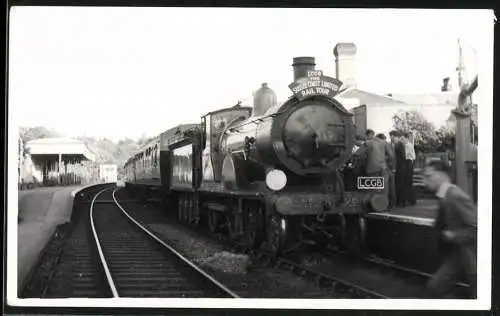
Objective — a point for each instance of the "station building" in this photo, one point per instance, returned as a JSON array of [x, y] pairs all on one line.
[[375, 111], [108, 173], [58, 161]]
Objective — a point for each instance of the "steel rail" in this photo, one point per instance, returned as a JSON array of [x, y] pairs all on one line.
[[279, 262], [177, 254], [109, 278], [381, 263], [335, 280]]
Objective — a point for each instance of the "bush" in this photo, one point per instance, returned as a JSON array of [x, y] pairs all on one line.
[[426, 137]]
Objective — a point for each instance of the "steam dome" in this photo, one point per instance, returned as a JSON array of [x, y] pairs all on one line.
[[263, 99]]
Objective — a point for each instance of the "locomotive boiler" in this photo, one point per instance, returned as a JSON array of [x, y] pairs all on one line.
[[271, 174], [306, 138]]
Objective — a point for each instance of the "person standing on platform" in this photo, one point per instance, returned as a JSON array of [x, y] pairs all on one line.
[[374, 153], [391, 167], [408, 169], [456, 223], [400, 155]]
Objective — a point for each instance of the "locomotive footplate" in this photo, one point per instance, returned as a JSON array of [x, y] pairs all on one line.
[[320, 203]]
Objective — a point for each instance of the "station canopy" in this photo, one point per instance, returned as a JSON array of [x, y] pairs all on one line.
[[59, 146]]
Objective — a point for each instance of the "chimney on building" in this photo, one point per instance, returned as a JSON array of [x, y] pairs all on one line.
[[345, 63], [301, 65], [446, 85]]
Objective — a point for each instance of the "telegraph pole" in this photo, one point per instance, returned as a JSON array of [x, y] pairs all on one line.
[[464, 155], [461, 67]]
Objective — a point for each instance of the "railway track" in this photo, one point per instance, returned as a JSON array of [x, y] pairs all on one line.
[[330, 286], [353, 276], [138, 264], [324, 280], [68, 266], [81, 276], [413, 278], [343, 275]]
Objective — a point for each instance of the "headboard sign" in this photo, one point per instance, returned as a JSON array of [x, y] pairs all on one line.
[[315, 84]]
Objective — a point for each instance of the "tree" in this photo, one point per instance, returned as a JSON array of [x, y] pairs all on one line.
[[31, 133], [445, 138], [426, 137]]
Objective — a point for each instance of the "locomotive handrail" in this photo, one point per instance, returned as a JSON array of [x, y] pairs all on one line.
[[260, 118], [228, 126]]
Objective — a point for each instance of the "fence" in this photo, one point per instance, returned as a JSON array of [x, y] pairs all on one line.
[[422, 159], [83, 173]]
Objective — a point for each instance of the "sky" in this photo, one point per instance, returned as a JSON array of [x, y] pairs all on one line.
[[128, 72]]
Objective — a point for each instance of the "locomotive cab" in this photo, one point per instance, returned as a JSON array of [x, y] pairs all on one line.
[[214, 124]]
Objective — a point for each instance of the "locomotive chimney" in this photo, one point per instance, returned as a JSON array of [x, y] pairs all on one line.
[[301, 65], [345, 64]]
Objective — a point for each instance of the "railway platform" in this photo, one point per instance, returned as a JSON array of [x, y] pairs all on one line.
[[423, 213], [404, 234], [40, 211]]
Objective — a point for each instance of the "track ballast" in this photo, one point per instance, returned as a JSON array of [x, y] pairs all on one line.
[[138, 264]]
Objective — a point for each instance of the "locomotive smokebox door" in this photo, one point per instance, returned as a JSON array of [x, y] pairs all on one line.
[[313, 133]]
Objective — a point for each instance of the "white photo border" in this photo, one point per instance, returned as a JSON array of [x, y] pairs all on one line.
[[483, 302]]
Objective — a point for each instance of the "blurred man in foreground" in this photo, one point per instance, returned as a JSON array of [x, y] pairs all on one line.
[[456, 223]]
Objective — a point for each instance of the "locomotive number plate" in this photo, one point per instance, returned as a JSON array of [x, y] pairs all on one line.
[[352, 201]]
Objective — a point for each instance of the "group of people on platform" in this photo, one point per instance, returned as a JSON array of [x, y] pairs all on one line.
[[456, 220], [393, 161]]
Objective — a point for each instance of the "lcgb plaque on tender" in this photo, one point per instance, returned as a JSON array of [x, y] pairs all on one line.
[[315, 84]]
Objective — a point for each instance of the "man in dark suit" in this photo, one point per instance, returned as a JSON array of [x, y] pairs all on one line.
[[391, 167], [375, 152], [399, 172], [456, 223]]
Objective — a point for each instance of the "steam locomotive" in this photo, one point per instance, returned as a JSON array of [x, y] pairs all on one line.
[[270, 175]]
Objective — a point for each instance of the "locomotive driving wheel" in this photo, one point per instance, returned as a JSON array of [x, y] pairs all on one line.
[[184, 209], [253, 224], [189, 210], [343, 227], [276, 232], [235, 225], [214, 219], [356, 233], [195, 212], [361, 230], [180, 210]]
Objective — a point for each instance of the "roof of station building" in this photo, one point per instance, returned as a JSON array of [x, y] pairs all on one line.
[[59, 145]]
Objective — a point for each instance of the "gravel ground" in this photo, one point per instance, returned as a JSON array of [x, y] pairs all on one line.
[[237, 271], [363, 274], [37, 281]]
